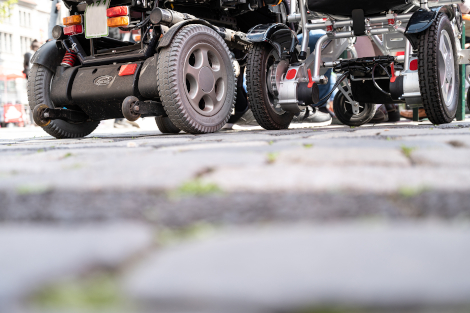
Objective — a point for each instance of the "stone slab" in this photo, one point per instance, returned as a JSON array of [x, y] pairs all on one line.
[[289, 268], [33, 256]]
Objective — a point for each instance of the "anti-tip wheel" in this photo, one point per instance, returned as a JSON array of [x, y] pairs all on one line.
[[37, 115], [127, 108], [344, 110]]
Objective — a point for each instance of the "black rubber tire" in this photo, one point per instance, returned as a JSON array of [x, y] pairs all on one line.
[[346, 117], [431, 93], [258, 97], [165, 125], [468, 99], [170, 81], [39, 83]]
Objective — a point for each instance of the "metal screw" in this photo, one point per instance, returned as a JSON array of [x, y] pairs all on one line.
[[46, 114], [136, 108]]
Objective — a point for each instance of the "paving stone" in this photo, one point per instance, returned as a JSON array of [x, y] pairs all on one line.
[[453, 158], [313, 156], [290, 268], [32, 256], [301, 178]]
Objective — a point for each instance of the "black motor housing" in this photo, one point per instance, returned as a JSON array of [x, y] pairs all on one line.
[[97, 90]]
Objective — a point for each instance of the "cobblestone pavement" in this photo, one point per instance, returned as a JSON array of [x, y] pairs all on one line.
[[327, 219]]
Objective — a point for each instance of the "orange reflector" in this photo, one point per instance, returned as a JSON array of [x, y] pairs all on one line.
[[72, 20], [414, 65], [117, 11], [118, 21], [137, 38], [291, 74], [128, 69], [73, 30]]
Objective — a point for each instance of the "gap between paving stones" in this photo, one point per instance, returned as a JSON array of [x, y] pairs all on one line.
[[158, 208]]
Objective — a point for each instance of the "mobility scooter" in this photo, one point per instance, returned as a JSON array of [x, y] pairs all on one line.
[[283, 76], [184, 69]]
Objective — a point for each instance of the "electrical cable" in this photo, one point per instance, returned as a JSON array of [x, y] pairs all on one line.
[[375, 83], [339, 81]]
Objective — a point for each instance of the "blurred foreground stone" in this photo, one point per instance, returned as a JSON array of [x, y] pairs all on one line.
[[387, 268]]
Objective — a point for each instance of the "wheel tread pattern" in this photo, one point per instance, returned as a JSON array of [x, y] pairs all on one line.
[[429, 75], [168, 85], [165, 125], [254, 85], [37, 86]]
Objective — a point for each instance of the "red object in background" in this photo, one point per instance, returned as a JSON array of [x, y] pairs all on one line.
[[128, 69], [13, 113], [117, 11], [414, 65], [400, 53]]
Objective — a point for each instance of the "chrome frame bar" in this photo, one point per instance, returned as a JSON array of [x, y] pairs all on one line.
[[370, 31]]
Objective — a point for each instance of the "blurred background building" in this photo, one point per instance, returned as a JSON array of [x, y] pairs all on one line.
[[20, 24]]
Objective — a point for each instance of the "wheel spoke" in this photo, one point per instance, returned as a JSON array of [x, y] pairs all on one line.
[[198, 96], [443, 49], [194, 72], [445, 87], [205, 57], [218, 74], [213, 96]]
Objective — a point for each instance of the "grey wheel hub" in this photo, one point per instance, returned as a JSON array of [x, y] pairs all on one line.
[[205, 78], [446, 68]]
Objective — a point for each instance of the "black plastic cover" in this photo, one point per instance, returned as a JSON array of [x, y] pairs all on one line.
[[99, 91], [148, 79], [61, 86], [281, 37], [48, 55], [366, 92], [345, 7]]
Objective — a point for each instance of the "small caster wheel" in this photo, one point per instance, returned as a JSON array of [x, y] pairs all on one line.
[[38, 115], [127, 108], [344, 110]]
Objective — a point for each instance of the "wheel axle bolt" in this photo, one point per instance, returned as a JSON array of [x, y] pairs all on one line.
[[46, 114], [136, 108]]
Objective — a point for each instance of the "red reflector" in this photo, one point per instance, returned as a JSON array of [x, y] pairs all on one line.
[[117, 11], [400, 53], [128, 69], [414, 65], [73, 30], [291, 74]]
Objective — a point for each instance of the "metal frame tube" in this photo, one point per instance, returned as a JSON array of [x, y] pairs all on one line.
[[317, 59], [379, 44], [293, 6], [407, 55], [305, 30]]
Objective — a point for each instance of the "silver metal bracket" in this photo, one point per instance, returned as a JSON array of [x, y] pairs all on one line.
[[354, 104]]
